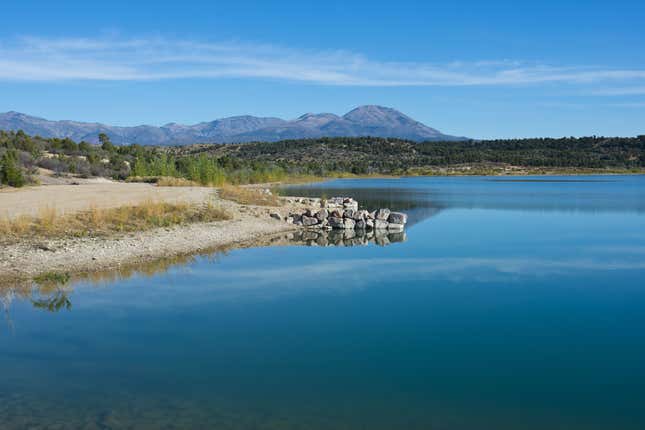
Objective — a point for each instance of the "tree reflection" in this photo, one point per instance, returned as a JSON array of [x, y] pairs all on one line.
[[53, 302], [52, 293]]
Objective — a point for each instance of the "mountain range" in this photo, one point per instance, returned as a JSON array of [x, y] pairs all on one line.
[[368, 120]]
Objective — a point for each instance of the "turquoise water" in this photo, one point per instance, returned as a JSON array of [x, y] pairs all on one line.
[[510, 304]]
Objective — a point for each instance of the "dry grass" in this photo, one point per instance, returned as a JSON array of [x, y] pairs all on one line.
[[98, 222], [164, 181], [168, 181], [248, 196]]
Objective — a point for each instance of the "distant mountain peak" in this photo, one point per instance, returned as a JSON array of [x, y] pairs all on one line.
[[376, 114], [315, 119], [367, 120]]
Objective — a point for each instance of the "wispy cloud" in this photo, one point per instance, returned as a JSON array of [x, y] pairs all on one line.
[[623, 91], [118, 59]]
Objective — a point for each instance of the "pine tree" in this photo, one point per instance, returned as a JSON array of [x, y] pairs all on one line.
[[106, 144], [10, 171]]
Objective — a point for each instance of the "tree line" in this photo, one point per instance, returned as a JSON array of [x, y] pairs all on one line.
[[22, 155]]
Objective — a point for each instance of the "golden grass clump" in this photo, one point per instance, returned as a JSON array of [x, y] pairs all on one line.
[[248, 196], [97, 221], [164, 181], [169, 181]]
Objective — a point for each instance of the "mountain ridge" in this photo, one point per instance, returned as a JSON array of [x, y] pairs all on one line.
[[368, 120]]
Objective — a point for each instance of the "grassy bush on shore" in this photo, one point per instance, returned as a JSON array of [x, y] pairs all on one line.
[[49, 279], [98, 222], [248, 196], [164, 181]]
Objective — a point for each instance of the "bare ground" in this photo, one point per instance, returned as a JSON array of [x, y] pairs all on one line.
[[74, 198]]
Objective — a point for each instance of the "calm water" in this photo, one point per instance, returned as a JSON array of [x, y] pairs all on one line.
[[510, 304]]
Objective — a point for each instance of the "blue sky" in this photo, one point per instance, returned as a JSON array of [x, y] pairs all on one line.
[[481, 69]]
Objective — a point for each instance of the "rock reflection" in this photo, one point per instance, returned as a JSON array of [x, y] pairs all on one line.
[[346, 237]]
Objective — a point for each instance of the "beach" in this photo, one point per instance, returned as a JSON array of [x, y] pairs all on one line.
[[31, 257]]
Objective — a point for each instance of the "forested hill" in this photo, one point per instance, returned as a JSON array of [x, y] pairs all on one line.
[[22, 155], [366, 154]]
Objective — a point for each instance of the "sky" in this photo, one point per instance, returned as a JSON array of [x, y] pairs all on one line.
[[482, 69]]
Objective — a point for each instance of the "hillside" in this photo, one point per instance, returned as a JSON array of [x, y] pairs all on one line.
[[21, 157], [363, 154]]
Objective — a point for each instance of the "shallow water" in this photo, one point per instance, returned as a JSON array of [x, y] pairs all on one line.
[[508, 304]]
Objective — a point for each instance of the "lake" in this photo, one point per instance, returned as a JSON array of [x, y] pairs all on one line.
[[514, 302]]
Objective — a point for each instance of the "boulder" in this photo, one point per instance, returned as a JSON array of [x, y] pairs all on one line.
[[296, 217], [289, 220], [336, 222], [359, 215], [338, 213], [369, 223], [397, 218], [351, 205], [309, 221], [383, 214], [322, 215], [371, 215], [349, 213], [360, 224]]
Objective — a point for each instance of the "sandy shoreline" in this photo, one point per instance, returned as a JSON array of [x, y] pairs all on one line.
[[26, 259]]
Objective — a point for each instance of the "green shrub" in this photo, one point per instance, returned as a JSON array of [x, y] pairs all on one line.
[[10, 171]]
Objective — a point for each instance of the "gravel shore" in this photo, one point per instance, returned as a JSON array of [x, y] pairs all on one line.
[[249, 224], [28, 259]]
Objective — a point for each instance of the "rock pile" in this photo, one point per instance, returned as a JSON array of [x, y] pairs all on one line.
[[342, 213]]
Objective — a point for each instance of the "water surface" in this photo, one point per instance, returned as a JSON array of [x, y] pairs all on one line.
[[508, 304]]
